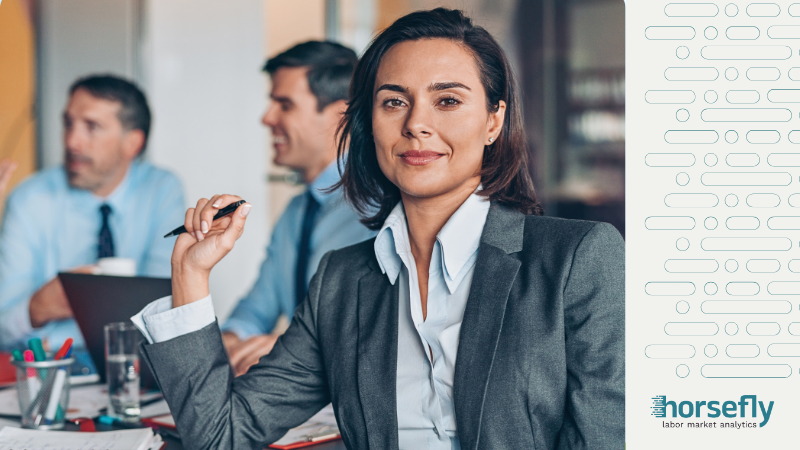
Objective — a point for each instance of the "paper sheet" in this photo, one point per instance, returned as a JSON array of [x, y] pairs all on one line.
[[323, 422], [12, 438]]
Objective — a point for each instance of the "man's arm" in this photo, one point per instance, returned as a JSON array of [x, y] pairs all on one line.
[[246, 331], [214, 410], [21, 266], [594, 316], [258, 312]]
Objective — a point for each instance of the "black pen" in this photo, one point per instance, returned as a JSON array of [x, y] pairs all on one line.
[[222, 213]]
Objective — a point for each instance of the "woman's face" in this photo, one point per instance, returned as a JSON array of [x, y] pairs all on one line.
[[429, 118]]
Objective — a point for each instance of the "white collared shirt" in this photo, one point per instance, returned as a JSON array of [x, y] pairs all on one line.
[[426, 350], [426, 355]]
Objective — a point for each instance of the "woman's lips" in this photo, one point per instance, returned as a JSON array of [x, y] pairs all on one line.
[[420, 157]]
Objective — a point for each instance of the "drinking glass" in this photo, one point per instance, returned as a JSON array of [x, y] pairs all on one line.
[[122, 370]]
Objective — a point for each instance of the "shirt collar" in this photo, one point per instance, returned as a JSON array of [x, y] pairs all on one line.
[[117, 199], [391, 241], [458, 239], [325, 180]]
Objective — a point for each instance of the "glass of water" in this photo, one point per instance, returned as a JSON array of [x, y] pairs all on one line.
[[122, 370]]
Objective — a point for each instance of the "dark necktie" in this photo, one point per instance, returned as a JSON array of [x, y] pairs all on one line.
[[303, 249], [105, 242]]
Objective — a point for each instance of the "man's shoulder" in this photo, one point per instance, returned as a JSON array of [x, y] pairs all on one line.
[[41, 188], [158, 178]]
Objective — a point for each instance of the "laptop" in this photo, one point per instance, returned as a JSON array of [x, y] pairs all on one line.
[[97, 300]]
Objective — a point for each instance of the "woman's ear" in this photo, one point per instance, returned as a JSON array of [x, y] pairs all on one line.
[[495, 123]]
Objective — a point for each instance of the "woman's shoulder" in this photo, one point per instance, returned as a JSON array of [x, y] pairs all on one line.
[[569, 233], [350, 260], [566, 227]]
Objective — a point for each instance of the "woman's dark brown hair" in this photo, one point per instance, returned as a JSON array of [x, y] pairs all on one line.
[[504, 173]]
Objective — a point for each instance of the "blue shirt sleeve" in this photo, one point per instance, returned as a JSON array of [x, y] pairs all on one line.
[[259, 310], [21, 273]]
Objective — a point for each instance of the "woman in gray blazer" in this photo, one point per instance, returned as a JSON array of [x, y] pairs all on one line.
[[469, 322]]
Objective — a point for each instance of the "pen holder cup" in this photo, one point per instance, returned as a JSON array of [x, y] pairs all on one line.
[[43, 391]]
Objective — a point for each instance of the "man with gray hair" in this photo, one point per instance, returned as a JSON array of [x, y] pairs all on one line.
[[105, 201]]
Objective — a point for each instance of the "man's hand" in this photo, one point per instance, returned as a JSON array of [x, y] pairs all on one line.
[[244, 354], [230, 340], [50, 302], [7, 168]]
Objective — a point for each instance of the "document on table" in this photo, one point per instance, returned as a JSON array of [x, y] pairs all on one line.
[[319, 428], [713, 214], [139, 439]]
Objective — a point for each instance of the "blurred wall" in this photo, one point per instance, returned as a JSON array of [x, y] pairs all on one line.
[[78, 37], [202, 61], [17, 88], [288, 24]]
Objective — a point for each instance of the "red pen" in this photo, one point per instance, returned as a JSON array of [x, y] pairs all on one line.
[[64, 349]]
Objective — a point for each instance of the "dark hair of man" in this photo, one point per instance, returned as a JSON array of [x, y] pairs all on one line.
[[134, 114], [504, 172], [330, 68]]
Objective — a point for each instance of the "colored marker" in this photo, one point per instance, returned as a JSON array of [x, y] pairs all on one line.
[[17, 355], [64, 349], [55, 396], [35, 345], [108, 420], [33, 381]]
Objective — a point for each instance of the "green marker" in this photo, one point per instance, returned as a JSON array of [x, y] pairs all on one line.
[[17, 355], [36, 347]]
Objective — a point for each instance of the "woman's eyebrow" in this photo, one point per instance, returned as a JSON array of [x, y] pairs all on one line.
[[388, 87], [441, 86], [447, 85]]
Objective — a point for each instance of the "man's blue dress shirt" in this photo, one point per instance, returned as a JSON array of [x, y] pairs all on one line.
[[337, 225], [50, 227]]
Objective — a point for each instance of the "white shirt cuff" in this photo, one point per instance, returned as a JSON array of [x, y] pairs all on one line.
[[160, 322]]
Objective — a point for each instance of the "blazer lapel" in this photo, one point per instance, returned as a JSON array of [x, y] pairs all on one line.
[[377, 358], [495, 271]]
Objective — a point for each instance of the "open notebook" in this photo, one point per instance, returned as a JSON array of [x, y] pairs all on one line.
[[138, 439]]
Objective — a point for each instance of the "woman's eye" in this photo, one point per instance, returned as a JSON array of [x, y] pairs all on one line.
[[449, 102], [393, 103]]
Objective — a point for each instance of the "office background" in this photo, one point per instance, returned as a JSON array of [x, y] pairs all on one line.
[[199, 63]]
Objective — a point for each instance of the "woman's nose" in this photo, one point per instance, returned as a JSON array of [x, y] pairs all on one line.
[[419, 122]]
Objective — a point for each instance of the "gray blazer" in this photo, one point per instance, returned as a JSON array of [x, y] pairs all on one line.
[[540, 356]]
